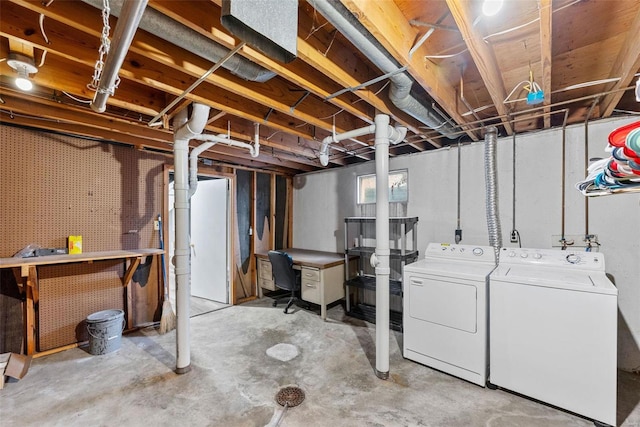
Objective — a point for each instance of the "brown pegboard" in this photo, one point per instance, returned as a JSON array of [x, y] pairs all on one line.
[[69, 293], [53, 186]]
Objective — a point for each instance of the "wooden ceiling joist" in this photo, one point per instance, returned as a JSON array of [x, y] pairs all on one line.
[[578, 51], [482, 55]]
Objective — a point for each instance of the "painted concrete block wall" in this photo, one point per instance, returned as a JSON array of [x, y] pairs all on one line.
[[322, 199]]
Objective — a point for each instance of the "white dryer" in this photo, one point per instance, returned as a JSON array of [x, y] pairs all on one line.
[[445, 309], [553, 323]]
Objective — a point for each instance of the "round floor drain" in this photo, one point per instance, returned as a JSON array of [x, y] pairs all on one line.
[[290, 396]]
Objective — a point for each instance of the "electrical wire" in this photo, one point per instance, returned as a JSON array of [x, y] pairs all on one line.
[[514, 89], [82, 101], [514, 232], [476, 110], [486, 38], [445, 56], [499, 33], [42, 58], [44, 35]]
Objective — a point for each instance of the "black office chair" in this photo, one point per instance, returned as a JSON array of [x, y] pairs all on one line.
[[284, 276]]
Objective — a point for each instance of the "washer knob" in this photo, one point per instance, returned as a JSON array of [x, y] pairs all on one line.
[[477, 251], [524, 255], [537, 255], [512, 254], [573, 258]]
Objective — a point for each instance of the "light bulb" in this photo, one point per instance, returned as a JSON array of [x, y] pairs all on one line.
[[491, 7], [24, 83]]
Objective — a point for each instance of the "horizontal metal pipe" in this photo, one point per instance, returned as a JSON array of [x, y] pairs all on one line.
[[122, 37]]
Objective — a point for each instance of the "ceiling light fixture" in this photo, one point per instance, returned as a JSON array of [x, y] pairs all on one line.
[[24, 65], [491, 7]]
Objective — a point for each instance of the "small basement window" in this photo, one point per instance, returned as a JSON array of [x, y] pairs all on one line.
[[398, 188]]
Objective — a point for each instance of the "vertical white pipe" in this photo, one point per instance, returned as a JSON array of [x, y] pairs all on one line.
[[193, 166], [182, 255], [382, 245], [384, 135], [184, 131]]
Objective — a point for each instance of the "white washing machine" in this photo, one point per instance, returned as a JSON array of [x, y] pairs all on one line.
[[445, 309], [553, 323]]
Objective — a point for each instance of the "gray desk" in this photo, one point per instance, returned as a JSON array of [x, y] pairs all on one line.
[[322, 275]]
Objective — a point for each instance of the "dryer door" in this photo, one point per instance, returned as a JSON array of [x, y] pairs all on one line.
[[443, 301], [445, 324]]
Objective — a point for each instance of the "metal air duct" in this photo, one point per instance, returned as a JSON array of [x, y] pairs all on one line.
[[400, 89], [182, 36], [270, 26], [491, 180]]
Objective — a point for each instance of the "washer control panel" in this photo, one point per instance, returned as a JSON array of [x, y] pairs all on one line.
[[553, 258], [460, 252]]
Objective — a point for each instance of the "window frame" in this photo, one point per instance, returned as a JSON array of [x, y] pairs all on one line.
[[359, 178]]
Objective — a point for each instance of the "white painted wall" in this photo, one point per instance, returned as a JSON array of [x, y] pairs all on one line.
[[321, 200]]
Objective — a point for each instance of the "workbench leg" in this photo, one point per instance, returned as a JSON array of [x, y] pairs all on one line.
[[128, 303], [31, 293]]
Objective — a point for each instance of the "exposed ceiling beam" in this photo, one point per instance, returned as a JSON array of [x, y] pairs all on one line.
[[207, 23], [625, 67], [546, 28], [482, 55], [385, 21], [176, 62]]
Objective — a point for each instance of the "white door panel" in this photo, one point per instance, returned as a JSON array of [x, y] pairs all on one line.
[[209, 235]]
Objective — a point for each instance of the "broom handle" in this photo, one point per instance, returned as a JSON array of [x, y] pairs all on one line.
[[164, 271]]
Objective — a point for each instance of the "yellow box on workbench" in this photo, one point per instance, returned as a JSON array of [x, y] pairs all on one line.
[[75, 244]]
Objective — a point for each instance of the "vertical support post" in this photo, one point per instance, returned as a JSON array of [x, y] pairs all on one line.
[[182, 255], [185, 129], [30, 303], [382, 245]]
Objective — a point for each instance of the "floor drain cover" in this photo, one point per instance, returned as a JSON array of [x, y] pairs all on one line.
[[290, 396]]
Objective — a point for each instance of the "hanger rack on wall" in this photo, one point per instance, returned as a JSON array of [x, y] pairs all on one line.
[[620, 172]]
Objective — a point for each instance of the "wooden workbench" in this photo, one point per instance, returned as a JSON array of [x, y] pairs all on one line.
[[25, 271]]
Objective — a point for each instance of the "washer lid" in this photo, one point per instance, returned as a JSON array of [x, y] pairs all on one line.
[[582, 280], [457, 269]]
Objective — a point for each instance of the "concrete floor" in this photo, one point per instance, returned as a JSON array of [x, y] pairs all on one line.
[[233, 381]]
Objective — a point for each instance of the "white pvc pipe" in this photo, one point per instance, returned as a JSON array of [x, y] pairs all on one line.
[[185, 185], [122, 37], [382, 252], [184, 131], [384, 135], [211, 140], [193, 166], [254, 150], [324, 148], [194, 126]]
